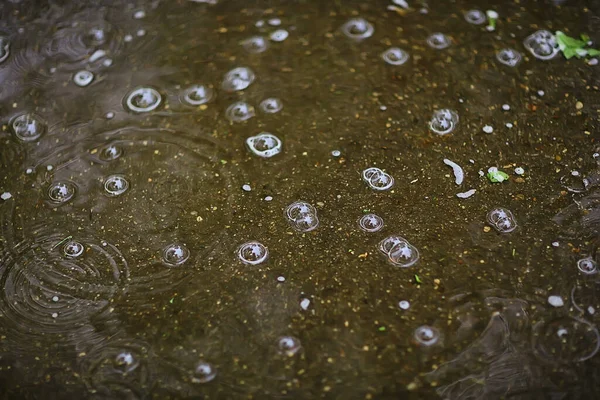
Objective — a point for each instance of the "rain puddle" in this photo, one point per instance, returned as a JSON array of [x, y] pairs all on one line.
[[229, 199]]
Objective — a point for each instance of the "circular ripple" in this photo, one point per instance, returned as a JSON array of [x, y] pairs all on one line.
[[239, 112], [253, 253], [73, 249], [586, 298], [565, 340], [197, 95], [502, 220], [175, 254], [203, 373], [438, 41], [395, 56], [238, 79], [426, 335], [509, 57], [443, 121], [115, 185], [28, 127], [271, 105], [83, 78], [475, 17], [358, 29], [142, 100], [110, 153], [61, 192], [377, 179], [587, 265], [302, 216]]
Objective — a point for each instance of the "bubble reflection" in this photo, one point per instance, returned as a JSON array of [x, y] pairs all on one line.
[[28, 127], [253, 253], [370, 223], [358, 29], [508, 57], [302, 216], [175, 254], [238, 79], [143, 99], [61, 192], [264, 145], [239, 112]]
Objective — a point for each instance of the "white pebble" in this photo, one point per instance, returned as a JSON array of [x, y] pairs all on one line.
[[459, 174], [141, 32], [556, 301], [336, 153], [274, 22], [405, 305], [98, 54], [509, 125], [5, 196], [488, 129], [519, 171], [541, 93], [280, 279], [279, 35], [304, 304], [54, 315], [555, 244], [268, 198], [505, 107], [29, 171], [246, 188], [139, 14], [55, 299], [49, 167], [466, 195]]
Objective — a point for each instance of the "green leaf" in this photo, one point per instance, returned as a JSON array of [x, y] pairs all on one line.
[[382, 329], [593, 52], [585, 37], [417, 279], [569, 52], [567, 41], [497, 176]]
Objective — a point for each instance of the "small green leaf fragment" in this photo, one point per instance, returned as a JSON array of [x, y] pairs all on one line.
[[567, 41], [497, 176], [172, 299], [418, 279], [514, 252], [223, 162], [585, 37], [382, 329], [593, 52]]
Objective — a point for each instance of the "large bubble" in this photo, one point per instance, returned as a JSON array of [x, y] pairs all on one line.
[[28, 127], [302, 216], [438, 41], [239, 112], [83, 78], [73, 249], [61, 192], [475, 17], [443, 121], [502, 220], [253, 253], [197, 95], [587, 265], [566, 340], [271, 105], [509, 57], [542, 44], [238, 79], [395, 56], [370, 223], [143, 99], [203, 373], [358, 29], [426, 335], [264, 145], [255, 44], [399, 251], [115, 185], [377, 179]]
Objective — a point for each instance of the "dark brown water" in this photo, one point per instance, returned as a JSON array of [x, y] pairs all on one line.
[[122, 231]]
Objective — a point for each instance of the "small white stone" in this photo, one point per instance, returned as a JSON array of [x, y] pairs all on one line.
[[141, 32], [54, 315], [107, 63], [505, 107], [279, 35], [383, 108], [128, 38], [280, 279], [98, 54], [488, 129], [336, 153], [139, 14], [5, 196], [593, 61], [556, 301], [29, 171], [591, 310], [519, 171], [246, 188], [304, 304], [260, 23], [49, 167], [110, 115], [268, 198], [596, 155], [555, 244], [274, 22], [55, 299], [541, 93], [575, 173], [509, 125], [405, 305]]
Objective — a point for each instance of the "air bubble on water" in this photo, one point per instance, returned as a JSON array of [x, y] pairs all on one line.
[[255, 44], [83, 78], [443, 121], [4, 48], [253, 253], [279, 35], [475, 17], [488, 129], [519, 171], [403, 254], [336, 153], [110, 152], [139, 14], [505, 107], [587, 265], [116, 185], [274, 22], [264, 145], [143, 99], [403, 304], [377, 179], [542, 45], [395, 56], [370, 223], [246, 188], [358, 29], [239, 112], [238, 79], [438, 41], [127, 38], [281, 279], [125, 362], [288, 345], [502, 220], [203, 373], [302, 216], [271, 105], [175, 254], [73, 249], [196, 95], [304, 304], [55, 299], [260, 23], [61, 192], [54, 315], [426, 335], [565, 340], [110, 115], [141, 32], [49, 167], [509, 57], [108, 62], [28, 127], [555, 301]]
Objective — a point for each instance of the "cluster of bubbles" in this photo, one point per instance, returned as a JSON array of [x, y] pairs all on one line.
[[83, 78], [4, 48], [271, 105], [358, 29], [502, 220], [28, 127], [115, 185], [443, 121], [288, 345], [377, 179], [426, 335], [399, 251], [509, 57], [197, 95], [438, 41], [61, 192], [238, 79], [143, 99], [542, 45], [587, 265], [395, 56], [475, 17], [175, 254], [370, 223], [302, 216], [239, 112], [255, 44], [253, 253], [264, 145]]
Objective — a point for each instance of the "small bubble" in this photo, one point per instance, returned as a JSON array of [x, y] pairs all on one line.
[[253, 253], [255, 44], [302, 216], [281, 279], [203, 373], [304, 304], [110, 115], [29, 171], [274, 22], [61, 192], [54, 315], [55, 299], [271, 105], [49, 167], [116, 185], [403, 254], [370, 223], [143, 99], [141, 32], [139, 14], [395, 56], [196, 95], [127, 38], [264, 145], [268, 198], [508, 57], [73, 249], [475, 17], [175, 254], [260, 23], [83, 78], [541, 93], [239, 112], [358, 29], [519, 171], [246, 188], [336, 153], [377, 179], [107, 63], [110, 153], [488, 129], [238, 79], [509, 125], [502, 220], [556, 301], [443, 121], [426, 335], [505, 107], [587, 265], [125, 362], [279, 35], [438, 41], [288, 345], [405, 305], [28, 127], [542, 45]]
